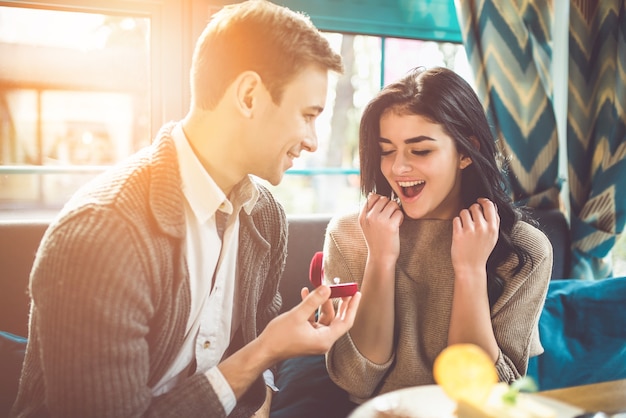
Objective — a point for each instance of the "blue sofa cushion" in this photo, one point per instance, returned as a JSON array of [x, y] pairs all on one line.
[[583, 331]]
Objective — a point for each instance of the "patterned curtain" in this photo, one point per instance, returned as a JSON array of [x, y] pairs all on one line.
[[596, 132], [509, 44]]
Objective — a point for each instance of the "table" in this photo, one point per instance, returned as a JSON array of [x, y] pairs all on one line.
[[606, 396]]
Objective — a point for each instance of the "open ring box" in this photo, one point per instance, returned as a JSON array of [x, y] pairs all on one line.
[[316, 276]]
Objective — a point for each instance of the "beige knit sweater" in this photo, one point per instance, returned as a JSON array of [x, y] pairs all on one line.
[[423, 295]]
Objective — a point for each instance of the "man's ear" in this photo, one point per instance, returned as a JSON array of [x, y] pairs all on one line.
[[247, 87]]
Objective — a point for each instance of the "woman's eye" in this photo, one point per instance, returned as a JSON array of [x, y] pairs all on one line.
[[384, 153], [423, 152]]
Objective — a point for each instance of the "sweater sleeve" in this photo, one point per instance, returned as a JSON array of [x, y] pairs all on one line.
[[515, 315], [345, 253]]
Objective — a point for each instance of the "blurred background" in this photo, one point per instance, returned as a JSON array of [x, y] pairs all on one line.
[[79, 91], [84, 84]]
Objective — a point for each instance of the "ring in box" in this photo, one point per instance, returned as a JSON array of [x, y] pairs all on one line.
[[316, 275]]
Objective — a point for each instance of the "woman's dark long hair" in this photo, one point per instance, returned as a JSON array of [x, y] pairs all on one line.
[[445, 98]]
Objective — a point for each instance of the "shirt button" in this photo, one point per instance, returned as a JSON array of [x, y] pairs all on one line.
[[206, 344]]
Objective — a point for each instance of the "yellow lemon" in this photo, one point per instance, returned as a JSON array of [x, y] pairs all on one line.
[[465, 372]]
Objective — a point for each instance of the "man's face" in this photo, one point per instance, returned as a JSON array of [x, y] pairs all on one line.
[[282, 131]]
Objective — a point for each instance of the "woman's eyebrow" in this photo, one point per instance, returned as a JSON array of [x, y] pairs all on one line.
[[413, 140]]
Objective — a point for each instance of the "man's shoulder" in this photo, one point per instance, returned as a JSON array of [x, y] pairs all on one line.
[[267, 216], [146, 186], [267, 204]]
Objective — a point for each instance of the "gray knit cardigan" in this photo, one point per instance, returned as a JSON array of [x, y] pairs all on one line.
[[111, 297]]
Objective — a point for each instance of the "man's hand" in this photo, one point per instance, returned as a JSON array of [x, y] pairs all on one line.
[[297, 333], [291, 334]]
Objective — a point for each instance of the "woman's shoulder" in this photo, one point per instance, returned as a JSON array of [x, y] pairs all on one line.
[[344, 223], [531, 238], [344, 232]]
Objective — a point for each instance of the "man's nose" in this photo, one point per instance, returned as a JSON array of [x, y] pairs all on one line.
[[310, 140]]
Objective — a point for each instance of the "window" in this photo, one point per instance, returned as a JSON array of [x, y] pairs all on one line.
[[83, 84], [75, 94], [88, 83], [327, 181], [379, 41]]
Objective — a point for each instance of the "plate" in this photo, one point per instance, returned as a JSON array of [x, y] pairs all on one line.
[[431, 402]]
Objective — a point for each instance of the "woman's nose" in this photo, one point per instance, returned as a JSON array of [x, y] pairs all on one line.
[[400, 164]]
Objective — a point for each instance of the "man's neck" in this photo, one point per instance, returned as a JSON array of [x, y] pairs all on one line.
[[210, 144]]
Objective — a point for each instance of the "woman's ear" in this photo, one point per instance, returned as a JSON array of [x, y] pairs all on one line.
[[466, 160]]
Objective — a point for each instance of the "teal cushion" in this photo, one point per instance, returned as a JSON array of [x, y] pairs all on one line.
[[583, 332]]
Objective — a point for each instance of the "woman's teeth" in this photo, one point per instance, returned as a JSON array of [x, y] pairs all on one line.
[[410, 183], [411, 188]]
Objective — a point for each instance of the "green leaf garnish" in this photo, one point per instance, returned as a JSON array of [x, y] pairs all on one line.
[[525, 384], [510, 397]]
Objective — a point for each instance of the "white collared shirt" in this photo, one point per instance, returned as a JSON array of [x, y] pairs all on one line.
[[214, 315]]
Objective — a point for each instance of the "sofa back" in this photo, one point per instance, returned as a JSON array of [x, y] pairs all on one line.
[[19, 241]]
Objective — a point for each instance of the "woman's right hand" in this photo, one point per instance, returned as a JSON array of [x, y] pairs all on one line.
[[372, 333], [380, 221]]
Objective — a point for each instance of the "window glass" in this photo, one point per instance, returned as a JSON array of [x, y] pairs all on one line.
[[73, 97], [327, 181], [402, 55], [76, 96]]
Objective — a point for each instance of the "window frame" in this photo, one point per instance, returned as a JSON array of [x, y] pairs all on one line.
[[176, 24], [170, 46]]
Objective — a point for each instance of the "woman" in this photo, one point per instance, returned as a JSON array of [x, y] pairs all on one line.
[[441, 253]]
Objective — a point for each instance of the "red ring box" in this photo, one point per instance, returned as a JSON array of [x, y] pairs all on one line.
[[316, 273]]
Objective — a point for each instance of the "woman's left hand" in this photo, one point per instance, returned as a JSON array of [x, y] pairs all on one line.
[[474, 235]]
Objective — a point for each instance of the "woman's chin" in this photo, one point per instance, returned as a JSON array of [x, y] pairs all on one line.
[[411, 213]]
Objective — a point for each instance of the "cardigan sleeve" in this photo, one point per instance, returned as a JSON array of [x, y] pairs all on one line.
[[96, 291]]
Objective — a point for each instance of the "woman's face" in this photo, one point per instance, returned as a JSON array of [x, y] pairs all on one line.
[[422, 165]]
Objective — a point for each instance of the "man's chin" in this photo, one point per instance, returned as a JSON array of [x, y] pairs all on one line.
[[276, 179]]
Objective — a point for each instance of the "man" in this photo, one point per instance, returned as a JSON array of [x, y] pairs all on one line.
[[140, 306]]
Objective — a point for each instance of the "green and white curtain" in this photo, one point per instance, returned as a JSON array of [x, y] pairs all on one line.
[[510, 44]]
